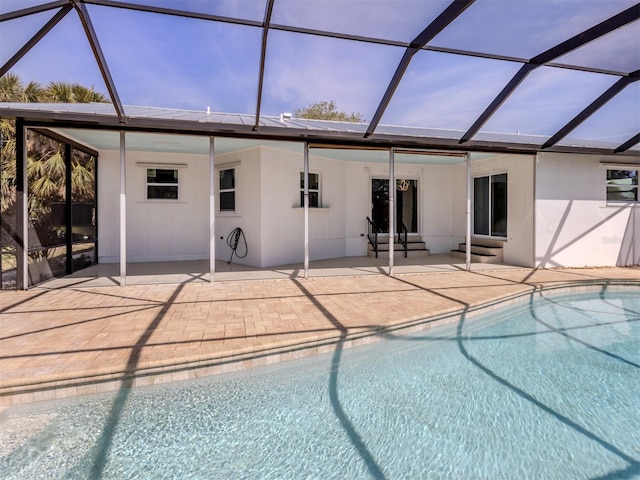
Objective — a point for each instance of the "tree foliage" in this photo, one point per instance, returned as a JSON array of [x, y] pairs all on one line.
[[327, 110], [45, 157], [12, 89]]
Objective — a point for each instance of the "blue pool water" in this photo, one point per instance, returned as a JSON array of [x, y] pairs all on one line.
[[549, 388]]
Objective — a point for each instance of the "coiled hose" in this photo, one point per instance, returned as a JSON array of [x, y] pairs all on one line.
[[233, 240]]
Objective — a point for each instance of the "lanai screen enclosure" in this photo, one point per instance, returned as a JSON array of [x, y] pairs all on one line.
[[450, 78]]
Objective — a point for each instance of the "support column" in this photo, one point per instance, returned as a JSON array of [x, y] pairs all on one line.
[[68, 191], [212, 211], [22, 211], [123, 212], [306, 210], [468, 245], [392, 208]]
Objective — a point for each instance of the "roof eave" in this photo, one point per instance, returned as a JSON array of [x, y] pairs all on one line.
[[97, 121]]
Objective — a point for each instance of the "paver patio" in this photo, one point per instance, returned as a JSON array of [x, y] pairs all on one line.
[[78, 340]]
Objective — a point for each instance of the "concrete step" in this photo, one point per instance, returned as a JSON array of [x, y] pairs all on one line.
[[384, 247], [411, 239], [476, 257], [399, 253], [475, 248], [487, 242], [481, 249]]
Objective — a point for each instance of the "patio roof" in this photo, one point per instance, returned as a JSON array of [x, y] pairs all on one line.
[[463, 74]]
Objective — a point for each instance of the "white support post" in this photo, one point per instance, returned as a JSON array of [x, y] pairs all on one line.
[[306, 210], [22, 208], [468, 244], [392, 209], [212, 211], [123, 212]]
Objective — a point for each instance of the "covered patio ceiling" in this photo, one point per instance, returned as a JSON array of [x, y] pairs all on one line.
[[482, 75], [100, 140]]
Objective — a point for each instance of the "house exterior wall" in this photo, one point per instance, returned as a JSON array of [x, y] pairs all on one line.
[[435, 200], [518, 246], [157, 230], [437, 208], [247, 215], [268, 207], [282, 236], [575, 226]]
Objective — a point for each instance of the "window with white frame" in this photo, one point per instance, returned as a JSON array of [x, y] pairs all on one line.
[[227, 190], [622, 185], [162, 184], [490, 205], [314, 190]]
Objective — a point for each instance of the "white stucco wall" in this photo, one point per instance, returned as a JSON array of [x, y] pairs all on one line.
[[519, 245], [282, 240], [156, 230], [575, 227], [437, 203], [247, 214], [268, 210], [108, 207]]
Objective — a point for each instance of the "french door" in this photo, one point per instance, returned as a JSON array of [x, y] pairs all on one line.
[[406, 208]]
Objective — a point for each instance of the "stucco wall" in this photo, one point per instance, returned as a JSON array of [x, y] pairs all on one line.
[[518, 247], [268, 210], [437, 203], [108, 206], [156, 230], [283, 218], [247, 213], [575, 226]]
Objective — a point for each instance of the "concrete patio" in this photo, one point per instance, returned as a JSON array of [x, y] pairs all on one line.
[[73, 337]]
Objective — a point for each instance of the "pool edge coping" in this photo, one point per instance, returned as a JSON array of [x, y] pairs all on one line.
[[191, 368]]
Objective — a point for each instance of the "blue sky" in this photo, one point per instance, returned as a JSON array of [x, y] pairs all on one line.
[[166, 61]]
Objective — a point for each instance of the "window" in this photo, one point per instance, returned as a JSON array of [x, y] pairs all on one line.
[[314, 190], [490, 205], [162, 183], [228, 190], [622, 185]]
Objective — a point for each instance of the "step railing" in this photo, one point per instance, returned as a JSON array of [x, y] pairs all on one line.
[[403, 233], [372, 235]]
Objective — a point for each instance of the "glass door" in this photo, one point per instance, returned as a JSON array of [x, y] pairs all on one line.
[[406, 204]]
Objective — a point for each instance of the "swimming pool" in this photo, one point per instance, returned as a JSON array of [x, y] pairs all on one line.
[[548, 388]]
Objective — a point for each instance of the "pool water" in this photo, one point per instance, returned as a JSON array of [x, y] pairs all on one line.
[[548, 388]]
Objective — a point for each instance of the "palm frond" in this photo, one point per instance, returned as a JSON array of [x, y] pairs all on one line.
[[54, 167], [43, 187], [11, 88]]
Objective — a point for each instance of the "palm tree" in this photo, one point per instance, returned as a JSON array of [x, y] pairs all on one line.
[[45, 157], [45, 165]]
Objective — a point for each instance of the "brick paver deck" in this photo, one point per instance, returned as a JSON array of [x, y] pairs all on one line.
[[73, 341]]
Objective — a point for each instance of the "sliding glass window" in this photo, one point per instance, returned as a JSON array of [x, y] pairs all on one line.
[[490, 205]]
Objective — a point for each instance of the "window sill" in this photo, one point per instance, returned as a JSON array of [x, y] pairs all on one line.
[[488, 237], [622, 203], [321, 209]]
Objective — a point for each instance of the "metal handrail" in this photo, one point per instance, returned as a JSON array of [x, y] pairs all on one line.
[[403, 233], [372, 235]]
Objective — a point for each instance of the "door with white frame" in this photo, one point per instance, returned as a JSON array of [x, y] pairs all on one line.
[[406, 204]]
